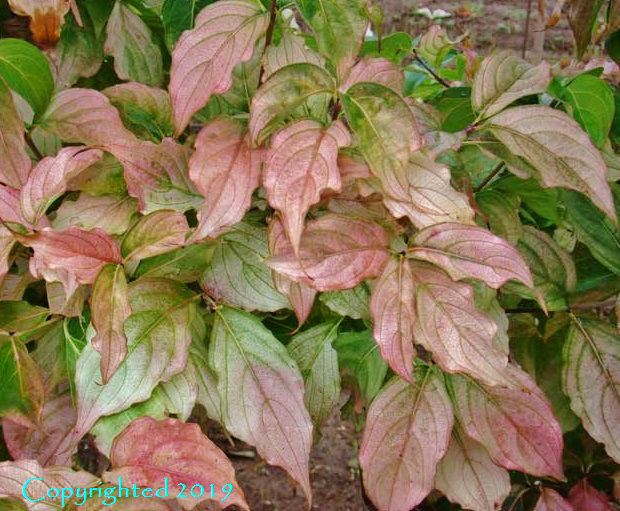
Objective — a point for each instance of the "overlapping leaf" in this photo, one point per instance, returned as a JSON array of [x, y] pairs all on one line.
[[154, 234], [551, 500], [291, 49], [584, 497], [15, 161], [376, 70]]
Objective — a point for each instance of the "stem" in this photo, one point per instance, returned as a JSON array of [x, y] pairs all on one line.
[[526, 35], [33, 147], [425, 66], [488, 179], [268, 36], [517, 498], [336, 110]]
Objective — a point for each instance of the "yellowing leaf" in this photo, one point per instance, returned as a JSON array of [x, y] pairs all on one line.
[[225, 34], [397, 457]]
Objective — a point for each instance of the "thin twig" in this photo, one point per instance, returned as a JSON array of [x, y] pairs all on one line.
[[268, 36], [33, 147], [526, 35], [425, 66], [488, 179]]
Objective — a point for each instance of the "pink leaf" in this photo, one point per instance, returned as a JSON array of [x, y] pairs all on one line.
[[224, 35], [300, 295], [149, 451], [10, 210], [467, 251], [42, 444], [48, 179], [514, 422], [584, 497], [448, 324], [15, 161], [352, 168], [226, 172], [74, 256], [109, 305], [406, 434], [154, 234], [393, 315], [301, 163], [336, 252], [377, 70], [551, 500]]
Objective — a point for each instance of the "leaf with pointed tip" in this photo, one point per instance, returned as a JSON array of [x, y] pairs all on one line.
[[226, 171], [291, 49], [84, 116], [150, 452], [376, 70], [48, 179], [300, 165], [584, 497], [21, 383], [339, 26], [385, 125], [313, 352], [146, 111], [204, 57], [354, 302], [157, 174], [111, 213], [57, 420], [261, 392], [556, 146], [551, 500], [393, 315], [157, 233], [591, 379], [109, 304], [468, 477], [503, 78], [129, 40], [468, 251], [397, 459], [286, 90], [514, 422], [582, 17], [15, 474], [553, 270], [185, 264], [300, 296], [238, 276], [15, 161], [336, 252]]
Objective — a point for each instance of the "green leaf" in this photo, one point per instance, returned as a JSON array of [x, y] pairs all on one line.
[[395, 47], [543, 201], [237, 275], [184, 265], [361, 364], [593, 229], [318, 362], [26, 71], [178, 16], [19, 316], [592, 101], [352, 302], [454, 104], [502, 211]]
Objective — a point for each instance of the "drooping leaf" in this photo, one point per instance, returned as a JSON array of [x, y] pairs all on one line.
[[467, 251], [339, 26], [514, 422], [300, 165], [184, 264], [582, 16], [336, 252], [57, 419], [468, 476], [584, 497], [111, 213], [551, 500], [300, 295], [204, 57], [226, 171], [286, 90], [150, 451], [553, 270], [130, 41], [393, 314], [397, 459], [25, 69], [238, 276], [354, 302], [261, 391], [291, 49], [503, 78], [591, 379], [313, 352], [554, 144], [15, 161], [110, 308], [376, 70], [21, 383], [73, 256], [48, 179], [154, 234]]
